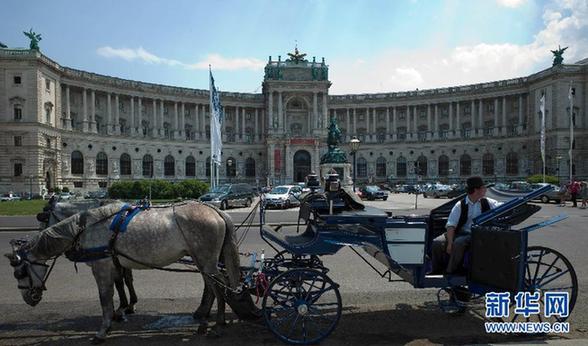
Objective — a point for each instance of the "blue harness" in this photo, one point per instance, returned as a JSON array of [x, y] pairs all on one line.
[[118, 225]]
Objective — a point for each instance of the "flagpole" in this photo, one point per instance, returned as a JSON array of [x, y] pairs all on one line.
[[542, 108], [571, 97]]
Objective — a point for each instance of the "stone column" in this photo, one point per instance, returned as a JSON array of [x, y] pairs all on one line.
[[243, 124], [429, 126], [175, 127], [495, 131], [520, 124], [133, 119], [109, 124], [481, 118], [450, 110], [256, 128], [139, 124], [348, 125], [93, 111], [367, 125], [161, 119], [117, 129], [388, 134], [354, 121], [504, 115], [182, 121], [197, 129], [281, 119], [223, 125], [325, 119], [436, 134], [375, 121], [272, 163], [263, 124], [394, 128], [288, 168], [315, 110], [408, 129], [85, 110], [457, 121], [270, 111], [67, 109], [473, 117], [154, 125]]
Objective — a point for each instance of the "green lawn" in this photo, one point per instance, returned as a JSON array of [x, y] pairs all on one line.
[[22, 207]]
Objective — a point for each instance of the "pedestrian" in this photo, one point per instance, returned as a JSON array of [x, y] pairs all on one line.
[[563, 192], [584, 194], [574, 190]]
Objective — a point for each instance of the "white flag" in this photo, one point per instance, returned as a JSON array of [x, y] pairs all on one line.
[[542, 108], [216, 121]]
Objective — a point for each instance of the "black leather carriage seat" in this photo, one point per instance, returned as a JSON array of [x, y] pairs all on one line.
[[292, 241]]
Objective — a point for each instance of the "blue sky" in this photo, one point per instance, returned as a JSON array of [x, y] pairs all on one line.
[[371, 46]]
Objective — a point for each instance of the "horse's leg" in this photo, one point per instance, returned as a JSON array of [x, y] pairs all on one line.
[[203, 311], [104, 274], [128, 276], [122, 296], [212, 281]]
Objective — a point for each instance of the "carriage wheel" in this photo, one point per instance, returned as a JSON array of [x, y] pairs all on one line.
[[546, 271], [302, 306]]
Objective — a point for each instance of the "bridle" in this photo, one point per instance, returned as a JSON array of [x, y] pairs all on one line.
[[25, 269]]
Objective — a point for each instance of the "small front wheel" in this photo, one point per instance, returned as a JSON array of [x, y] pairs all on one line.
[[302, 306]]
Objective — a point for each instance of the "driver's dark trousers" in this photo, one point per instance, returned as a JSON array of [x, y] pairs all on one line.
[[439, 252]]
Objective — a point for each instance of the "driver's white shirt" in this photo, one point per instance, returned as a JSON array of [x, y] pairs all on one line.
[[474, 209]]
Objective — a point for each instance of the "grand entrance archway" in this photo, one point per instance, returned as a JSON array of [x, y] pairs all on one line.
[[301, 165]]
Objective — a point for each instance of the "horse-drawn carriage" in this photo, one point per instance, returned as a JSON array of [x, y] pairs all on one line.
[[301, 304]]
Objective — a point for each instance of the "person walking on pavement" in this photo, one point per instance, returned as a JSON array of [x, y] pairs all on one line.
[[574, 190], [584, 194], [458, 236]]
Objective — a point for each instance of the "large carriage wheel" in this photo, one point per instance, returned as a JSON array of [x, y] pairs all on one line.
[[546, 271], [302, 306]]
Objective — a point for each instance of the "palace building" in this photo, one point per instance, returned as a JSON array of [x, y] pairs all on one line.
[[65, 127]]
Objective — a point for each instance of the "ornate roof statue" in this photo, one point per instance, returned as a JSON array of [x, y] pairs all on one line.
[[2, 45], [558, 56], [34, 37], [334, 154], [296, 57]]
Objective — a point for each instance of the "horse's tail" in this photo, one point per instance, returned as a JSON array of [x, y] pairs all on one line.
[[241, 303]]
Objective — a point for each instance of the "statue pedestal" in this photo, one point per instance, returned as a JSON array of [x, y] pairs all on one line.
[[343, 169]]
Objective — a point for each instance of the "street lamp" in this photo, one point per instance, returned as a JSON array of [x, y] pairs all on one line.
[[354, 144]]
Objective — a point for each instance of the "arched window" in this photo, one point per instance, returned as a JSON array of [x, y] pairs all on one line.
[[77, 163], [381, 167], [250, 167], [207, 166], [169, 166], [512, 164], [488, 164], [443, 166], [361, 168], [101, 163], [421, 166], [465, 165], [401, 166], [125, 164], [231, 166], [148, 166], [190, 166]]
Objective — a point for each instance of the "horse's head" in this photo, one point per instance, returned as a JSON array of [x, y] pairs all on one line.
[[29, 272]]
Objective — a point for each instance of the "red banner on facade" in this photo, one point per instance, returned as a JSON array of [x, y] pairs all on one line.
[[277, 161]]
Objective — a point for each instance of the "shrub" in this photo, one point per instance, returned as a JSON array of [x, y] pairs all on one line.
[[65, 189], [538, 178], [160, 189]]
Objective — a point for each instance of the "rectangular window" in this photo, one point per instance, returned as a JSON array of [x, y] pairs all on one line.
[[17, 169], [17, 80], [47, 84], [17, 113], [78, 184], [18, 141]]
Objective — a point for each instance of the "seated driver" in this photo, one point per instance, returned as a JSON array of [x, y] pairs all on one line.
[[458, 236]]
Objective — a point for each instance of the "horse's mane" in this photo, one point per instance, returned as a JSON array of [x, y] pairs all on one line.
[[58, 238]]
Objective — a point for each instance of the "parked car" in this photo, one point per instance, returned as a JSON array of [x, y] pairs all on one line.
[[552, 195], [456, 191], [436, 191], [66, 196], [283, 196], [372, 192], [8, 197], [96, 195], [229, 195]]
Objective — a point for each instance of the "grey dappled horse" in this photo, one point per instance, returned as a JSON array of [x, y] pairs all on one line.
[[156, 237], [58, 211]]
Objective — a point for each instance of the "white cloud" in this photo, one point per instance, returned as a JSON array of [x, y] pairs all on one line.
[[217, 61], [565, 23], [511, 3]]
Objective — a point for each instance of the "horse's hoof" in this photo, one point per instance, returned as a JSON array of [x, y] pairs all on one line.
[[96, 340], [130, 310], [214, 333], [118, 317], [202, 329], [199, 316]]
